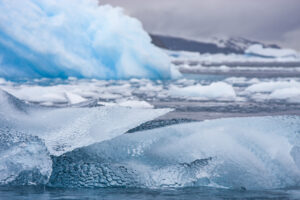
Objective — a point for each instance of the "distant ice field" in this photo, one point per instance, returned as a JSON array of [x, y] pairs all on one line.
[[194, 96]]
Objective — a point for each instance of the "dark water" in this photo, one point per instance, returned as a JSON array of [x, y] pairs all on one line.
[[28, 193]]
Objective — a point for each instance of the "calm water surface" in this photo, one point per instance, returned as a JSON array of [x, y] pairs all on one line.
[[131, 193]]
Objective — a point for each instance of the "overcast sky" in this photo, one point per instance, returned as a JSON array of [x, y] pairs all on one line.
[[273, 21]]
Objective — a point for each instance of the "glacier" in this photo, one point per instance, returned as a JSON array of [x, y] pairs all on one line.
[[78, 38]]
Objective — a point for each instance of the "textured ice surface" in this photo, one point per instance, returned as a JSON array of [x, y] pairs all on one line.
[[24, 159], [64, 129], [75, 38], [253, 153]]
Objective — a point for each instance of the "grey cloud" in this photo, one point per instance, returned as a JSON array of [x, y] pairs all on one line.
[[275, 21]]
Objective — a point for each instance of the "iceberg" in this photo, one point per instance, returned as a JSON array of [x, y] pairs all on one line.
[[31, 135], [77, 38]]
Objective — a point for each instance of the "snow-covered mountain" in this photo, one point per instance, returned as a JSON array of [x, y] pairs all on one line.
[[215, 45], [240, 44]]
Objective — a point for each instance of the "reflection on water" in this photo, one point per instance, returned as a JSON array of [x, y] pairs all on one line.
[[28, 193]]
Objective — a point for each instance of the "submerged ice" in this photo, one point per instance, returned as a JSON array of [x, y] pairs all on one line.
[[75, 38]]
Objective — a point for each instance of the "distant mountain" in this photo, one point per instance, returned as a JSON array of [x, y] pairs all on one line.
[[216, 45]]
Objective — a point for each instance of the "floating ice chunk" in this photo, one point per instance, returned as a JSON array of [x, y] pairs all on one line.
[[289, 94], [74, 98], [241, 80], [255, 153], [65, 129], [259, 50], [85, 126], [218, 90], [135, 104], [283, 89], [272, 86], [71, 94], [224, 68], [10, 106], [75, 38], [55, 94], [280, 90]]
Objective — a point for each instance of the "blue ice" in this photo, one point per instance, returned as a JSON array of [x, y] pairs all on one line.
[[79, 38]]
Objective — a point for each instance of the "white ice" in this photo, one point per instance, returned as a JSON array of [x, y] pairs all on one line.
[[259, 50], [215, 91], [280, 90]]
